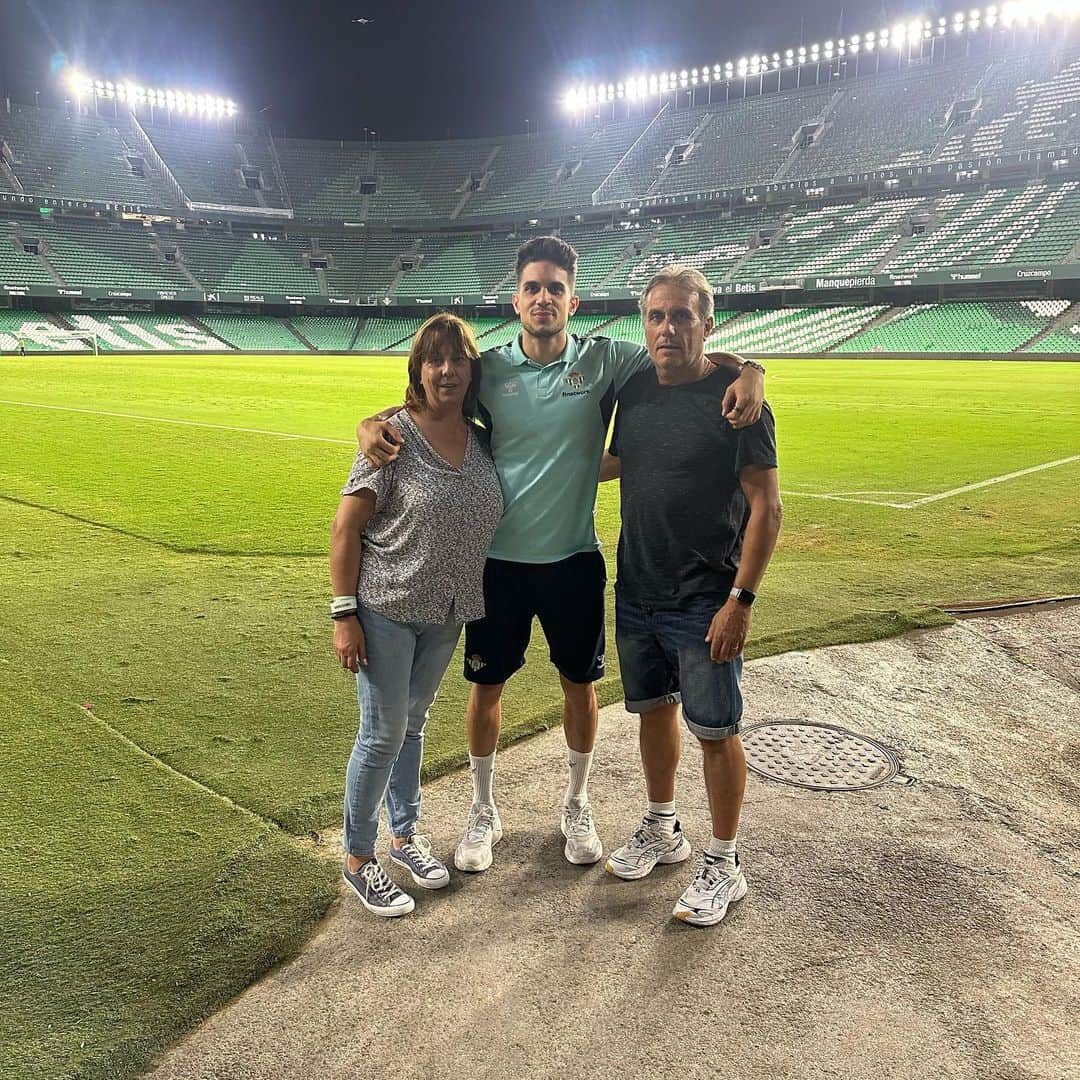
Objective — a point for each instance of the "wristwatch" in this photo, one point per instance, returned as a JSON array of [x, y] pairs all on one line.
[[743, 596], [755, 365]]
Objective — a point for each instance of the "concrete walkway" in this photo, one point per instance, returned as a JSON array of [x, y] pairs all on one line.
[[928, 930]]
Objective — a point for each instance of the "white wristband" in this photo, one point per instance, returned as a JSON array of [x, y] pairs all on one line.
[[340, 605]]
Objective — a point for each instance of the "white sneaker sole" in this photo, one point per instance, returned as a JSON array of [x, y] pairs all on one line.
[[477, 866], [586, 858], [383, 913], [636, 873], [694, 917]]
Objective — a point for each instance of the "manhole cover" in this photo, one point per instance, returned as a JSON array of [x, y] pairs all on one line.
[[821, 757]]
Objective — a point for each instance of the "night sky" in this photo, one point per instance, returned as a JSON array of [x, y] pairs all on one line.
[[417, 69]]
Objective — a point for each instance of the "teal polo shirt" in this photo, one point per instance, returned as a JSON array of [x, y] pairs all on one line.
[[548, 425]]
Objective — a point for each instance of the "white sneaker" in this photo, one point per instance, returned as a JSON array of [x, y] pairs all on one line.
[[717, 884], [583, 846], [648, 846], [483, 831]]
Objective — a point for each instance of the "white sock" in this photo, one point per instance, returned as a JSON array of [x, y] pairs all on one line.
[[483, 777], [663, 813], [722, 849], [577, 791]]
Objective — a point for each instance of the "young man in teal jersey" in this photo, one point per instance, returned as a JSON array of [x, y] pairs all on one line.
[[547, 399]]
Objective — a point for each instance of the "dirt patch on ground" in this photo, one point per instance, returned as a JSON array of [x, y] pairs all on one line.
[[922, 930]]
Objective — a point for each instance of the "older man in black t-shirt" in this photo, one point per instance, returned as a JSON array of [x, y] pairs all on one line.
[[700, 516]]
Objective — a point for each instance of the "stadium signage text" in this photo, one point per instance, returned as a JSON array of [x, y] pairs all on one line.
[[818, 283]]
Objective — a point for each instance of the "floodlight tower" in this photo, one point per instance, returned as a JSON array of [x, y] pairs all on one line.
[[133, 96]]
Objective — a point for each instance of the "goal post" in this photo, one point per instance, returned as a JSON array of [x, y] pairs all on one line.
[[63, 341]]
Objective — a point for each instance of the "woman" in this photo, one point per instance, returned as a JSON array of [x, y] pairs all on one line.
[[406, 565]]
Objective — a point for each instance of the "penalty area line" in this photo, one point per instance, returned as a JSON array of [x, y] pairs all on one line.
[[181, 423], [844, 498], [915, 503], [994, 480]]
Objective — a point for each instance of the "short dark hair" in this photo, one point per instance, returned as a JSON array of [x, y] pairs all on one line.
[[431, 339], [552, 249]]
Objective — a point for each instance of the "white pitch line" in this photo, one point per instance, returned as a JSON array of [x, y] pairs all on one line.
[[183, 423], [838, 497], [845, 498], [995, 480]]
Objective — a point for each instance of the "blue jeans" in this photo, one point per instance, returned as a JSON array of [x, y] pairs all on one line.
[[406, 663], [664, 659]]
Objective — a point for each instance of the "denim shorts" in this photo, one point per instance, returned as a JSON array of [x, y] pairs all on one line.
[[664, 659]]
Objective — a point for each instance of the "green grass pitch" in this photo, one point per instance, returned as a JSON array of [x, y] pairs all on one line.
[[171, 578]]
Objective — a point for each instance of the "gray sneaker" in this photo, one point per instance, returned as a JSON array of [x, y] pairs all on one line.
[[416, 857], [376, 891]]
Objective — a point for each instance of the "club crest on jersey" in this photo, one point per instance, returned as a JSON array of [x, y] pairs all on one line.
[[511, 387], [575, 380]]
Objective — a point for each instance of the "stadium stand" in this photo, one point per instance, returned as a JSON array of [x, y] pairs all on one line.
[[327, 333], [17, 266], [255, 263], [841, 238], [889, 120], [1023, 102], [424, 179], [693, 150], [143, 332], [379, 333], [626, 328], [474, 263], [1065, 341], [35, 331], [712, 244], [807, 330], [1036, 223], [483, 326], [254, 333], [79, 157], [110, 255], [324, 177], [413, 223], [951, 328], [221, 169], [559, 170]]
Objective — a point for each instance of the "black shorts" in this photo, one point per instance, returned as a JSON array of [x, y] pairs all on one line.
[[568, 599]]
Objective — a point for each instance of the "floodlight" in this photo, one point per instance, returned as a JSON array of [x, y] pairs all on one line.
[[854, 47]]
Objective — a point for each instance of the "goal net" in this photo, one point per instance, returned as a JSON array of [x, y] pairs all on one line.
[[64, 341]]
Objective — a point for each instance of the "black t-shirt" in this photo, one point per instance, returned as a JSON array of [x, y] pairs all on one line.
[[683, 511]]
